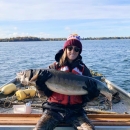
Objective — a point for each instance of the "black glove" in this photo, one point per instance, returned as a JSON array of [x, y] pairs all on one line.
[[92, 89], [43, 76], [91, 86]]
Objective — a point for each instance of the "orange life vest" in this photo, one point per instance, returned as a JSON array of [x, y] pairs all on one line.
[[66, 99]]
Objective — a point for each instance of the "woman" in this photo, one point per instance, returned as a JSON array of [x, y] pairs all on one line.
[[64, 108]]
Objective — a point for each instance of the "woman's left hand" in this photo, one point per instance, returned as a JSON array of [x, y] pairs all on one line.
[[91, 89]]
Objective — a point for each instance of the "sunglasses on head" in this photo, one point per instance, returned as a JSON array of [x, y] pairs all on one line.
[[76, 49]]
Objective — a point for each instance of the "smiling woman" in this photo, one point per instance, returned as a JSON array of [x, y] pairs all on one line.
[[74, 47], [65, 107]]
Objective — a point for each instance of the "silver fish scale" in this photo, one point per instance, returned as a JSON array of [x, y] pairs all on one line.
[[66, 82], [65, 85]]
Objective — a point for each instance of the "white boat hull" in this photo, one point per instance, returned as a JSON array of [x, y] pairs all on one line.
[[28, 127]]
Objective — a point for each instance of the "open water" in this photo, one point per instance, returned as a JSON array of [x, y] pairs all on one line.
[[109, 57]]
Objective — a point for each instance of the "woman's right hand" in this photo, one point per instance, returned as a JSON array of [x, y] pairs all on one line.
[[43, 76]]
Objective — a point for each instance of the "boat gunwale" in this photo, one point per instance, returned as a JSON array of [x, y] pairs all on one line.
[[97, 119]]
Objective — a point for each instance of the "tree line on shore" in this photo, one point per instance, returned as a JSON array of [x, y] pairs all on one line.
[[18, 39]]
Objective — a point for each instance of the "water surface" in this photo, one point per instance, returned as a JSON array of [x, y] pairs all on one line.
[[109, 57]]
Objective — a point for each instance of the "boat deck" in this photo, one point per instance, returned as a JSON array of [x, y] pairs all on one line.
[[102, 116]]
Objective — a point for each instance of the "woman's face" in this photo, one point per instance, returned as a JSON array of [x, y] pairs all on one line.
[[72, 53]]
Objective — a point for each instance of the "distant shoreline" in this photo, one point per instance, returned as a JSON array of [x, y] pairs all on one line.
[[19, 39]]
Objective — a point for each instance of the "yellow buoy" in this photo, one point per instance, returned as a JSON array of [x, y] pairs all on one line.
[[26, 93], [8, 89]]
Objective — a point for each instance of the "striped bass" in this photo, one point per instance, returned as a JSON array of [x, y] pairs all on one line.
[[63, 82]]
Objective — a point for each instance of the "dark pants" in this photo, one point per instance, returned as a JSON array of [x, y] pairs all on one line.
[[51, 118]]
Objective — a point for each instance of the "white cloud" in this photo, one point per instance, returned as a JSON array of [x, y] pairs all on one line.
[[11, 33], [43, 35], [68, 16], [68, 29], [65, 9], [15, 28], [71, 30]]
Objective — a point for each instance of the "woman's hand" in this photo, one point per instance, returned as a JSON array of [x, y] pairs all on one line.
[[91, 89], [91, 86], [43, 76]]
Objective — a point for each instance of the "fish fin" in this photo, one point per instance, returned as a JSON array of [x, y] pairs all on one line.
[[34, 78], [85, 88], [32, 83], [107, 95]]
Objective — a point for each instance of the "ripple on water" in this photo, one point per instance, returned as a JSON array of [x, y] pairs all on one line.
[[109, 57]]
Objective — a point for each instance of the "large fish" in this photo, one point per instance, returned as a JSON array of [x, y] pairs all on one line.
[[63, 82]]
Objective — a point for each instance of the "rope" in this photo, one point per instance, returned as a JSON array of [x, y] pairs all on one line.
[[27, 95], [8, 102]]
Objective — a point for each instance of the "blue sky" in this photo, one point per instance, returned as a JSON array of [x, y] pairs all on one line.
[[59, 18]]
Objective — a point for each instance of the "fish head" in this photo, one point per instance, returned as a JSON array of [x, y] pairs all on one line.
[[27, 77], [23, 77]]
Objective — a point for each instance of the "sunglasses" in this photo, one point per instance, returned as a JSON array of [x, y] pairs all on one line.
[[76, 49]]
